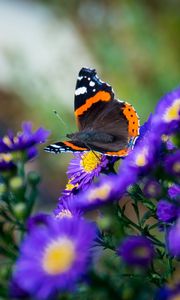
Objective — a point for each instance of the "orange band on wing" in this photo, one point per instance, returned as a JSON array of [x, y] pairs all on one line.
[[122, 152], [74, 147], [101, 95], [132, 117]]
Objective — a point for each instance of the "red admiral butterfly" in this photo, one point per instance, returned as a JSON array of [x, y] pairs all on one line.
[[106, 125]]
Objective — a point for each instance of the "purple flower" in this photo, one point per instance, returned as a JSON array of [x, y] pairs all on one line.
[[166, 211], [66, 208], [174, 239], [23, 141], [166, 119], [172, 163], [136, 250], [144, 129], [84, 167], [70, 191], [167, 293], [152, 189], [6, 162], [174, 192], [54, 257], [16, 292], [144, 156], [108, 190]]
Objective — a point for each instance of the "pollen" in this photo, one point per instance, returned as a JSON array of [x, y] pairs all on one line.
[[90, 161], [141, 159], [70, 186], [7, 141], [59, 256], [7, 157], [142, 252], [176, 167], [173, 112], [100, 193], [64, 213]]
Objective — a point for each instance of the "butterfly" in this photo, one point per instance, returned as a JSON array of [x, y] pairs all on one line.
[[106, 125]]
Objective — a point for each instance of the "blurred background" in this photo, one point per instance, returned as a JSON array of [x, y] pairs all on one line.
[[133, 45]]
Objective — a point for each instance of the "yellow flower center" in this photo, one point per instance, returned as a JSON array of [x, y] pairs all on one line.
[[141, 159], [164, 137], [7, 157], [142, 252], [172, 112], [64, 213], [176, 297], [101, 193], [59, 256], [151, 189], [90, 161], [7, 141], [176, 167], [70, 186]]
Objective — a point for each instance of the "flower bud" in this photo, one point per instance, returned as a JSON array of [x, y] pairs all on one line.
[[3, 188], [19, 210], [33, 177], [104, 222], [16, 183]]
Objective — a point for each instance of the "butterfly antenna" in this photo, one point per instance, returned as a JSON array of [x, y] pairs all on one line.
[[59, 117]]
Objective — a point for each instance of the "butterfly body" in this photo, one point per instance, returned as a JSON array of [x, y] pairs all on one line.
[[105, 124]]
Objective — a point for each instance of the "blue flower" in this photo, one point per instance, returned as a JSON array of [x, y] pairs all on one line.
[[6, 162], [166, 119], [53, 257], [84, 167], [174, 239], [174, 192], [166, 211], [136, 250], [172, 164], [23, 141]]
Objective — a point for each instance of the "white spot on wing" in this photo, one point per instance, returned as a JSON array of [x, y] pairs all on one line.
[[55, 146], [92, 83], [81, 90], [80, 77]]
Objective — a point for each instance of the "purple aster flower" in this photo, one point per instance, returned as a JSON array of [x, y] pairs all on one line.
[[166, 119], [70, 191], [172, 163], [167, 293], [152, 189], [6, 162], [174, 192], [136, 250], [16, 292], [107, 190], [144, 129], [85, 166], [174, 239], [66, 208], [166, 211], [54, 257], [24, 141], [40, 219], [144, 157]]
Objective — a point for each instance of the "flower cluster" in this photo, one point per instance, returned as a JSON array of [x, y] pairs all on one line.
[[110, 230]]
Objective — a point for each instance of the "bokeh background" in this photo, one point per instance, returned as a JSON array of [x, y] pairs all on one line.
[[134, 46]]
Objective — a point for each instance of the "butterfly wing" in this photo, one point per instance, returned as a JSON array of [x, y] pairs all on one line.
[[97, 110], [91, 96], [66, 146]]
